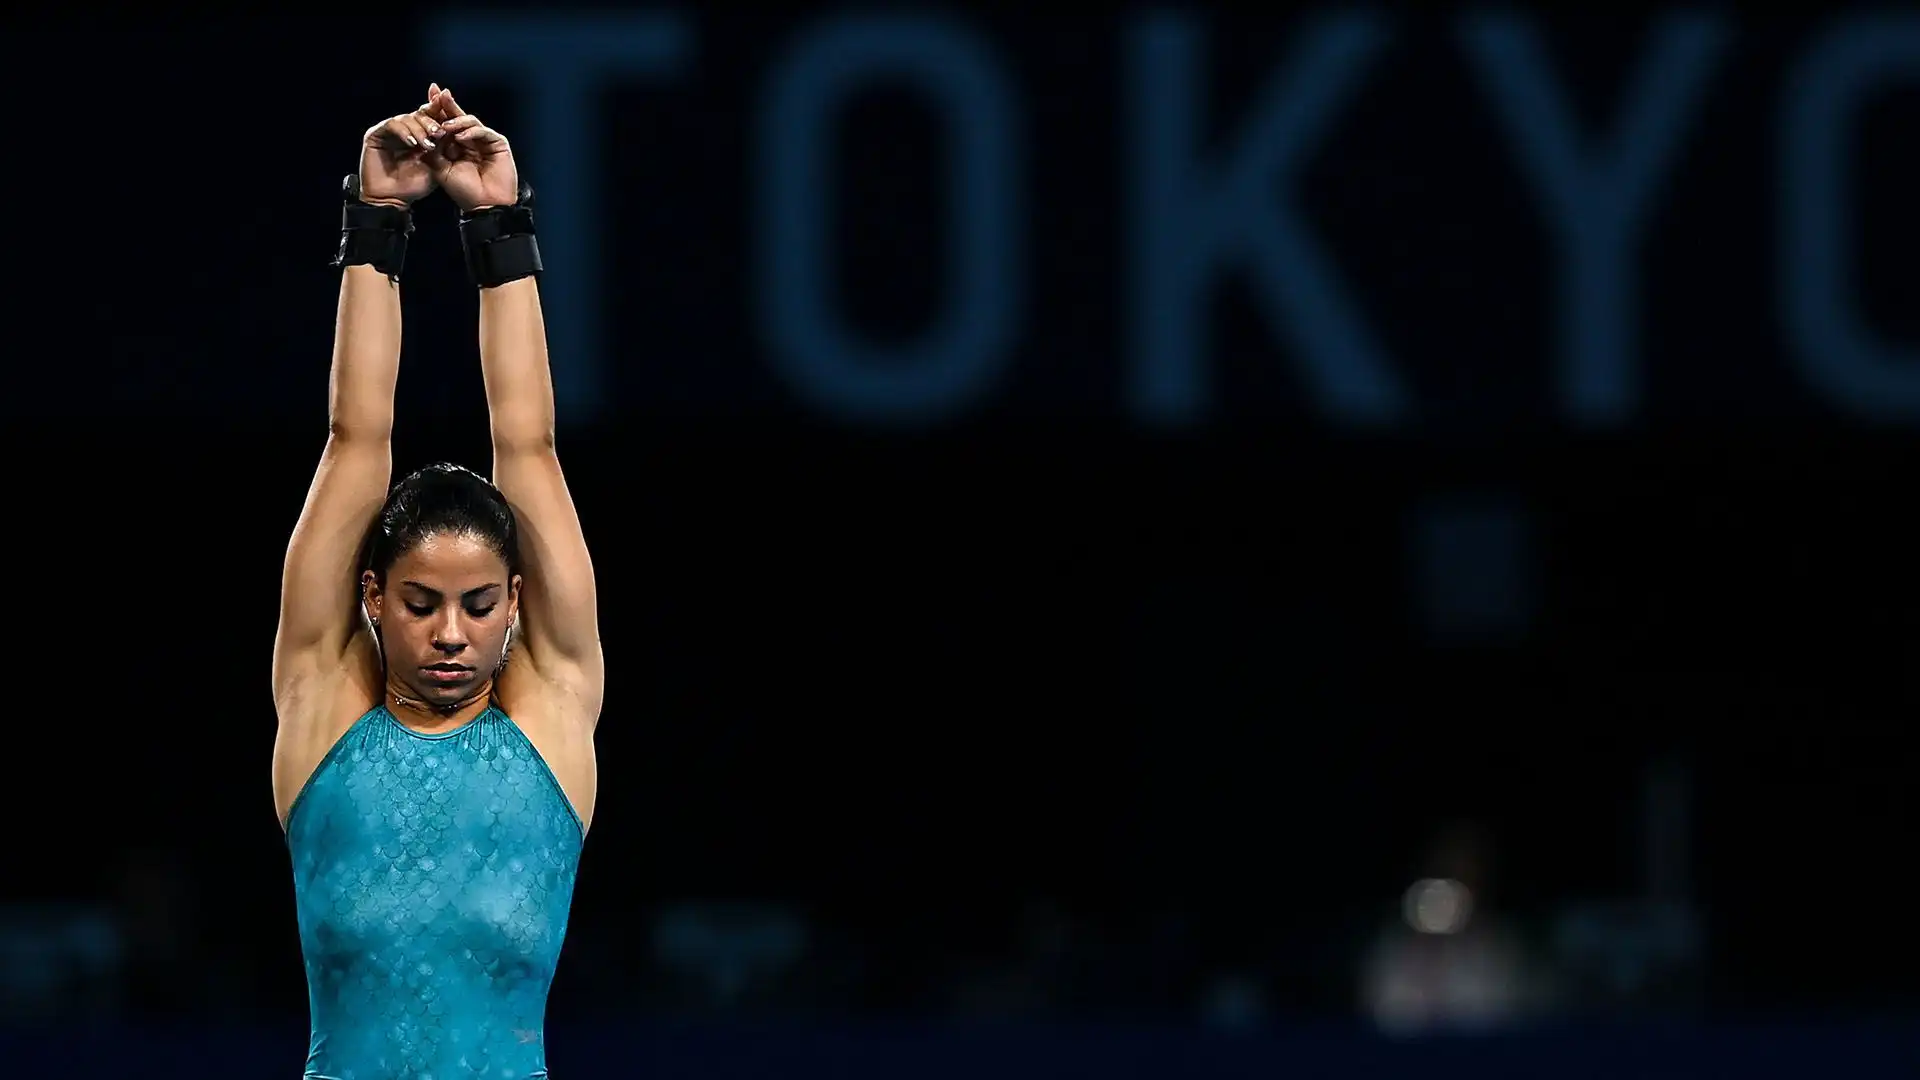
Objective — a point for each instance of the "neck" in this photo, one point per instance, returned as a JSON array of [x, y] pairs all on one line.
[[424, 716]]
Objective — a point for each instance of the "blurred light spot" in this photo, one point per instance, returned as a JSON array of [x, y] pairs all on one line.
[[1437, 906]]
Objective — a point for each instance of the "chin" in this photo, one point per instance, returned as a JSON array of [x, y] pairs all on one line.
[[443, 694]]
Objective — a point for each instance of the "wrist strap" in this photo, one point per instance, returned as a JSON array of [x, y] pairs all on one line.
[[372, 235], [499, 242]]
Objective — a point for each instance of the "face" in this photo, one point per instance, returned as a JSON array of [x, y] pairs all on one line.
[[443, 616]]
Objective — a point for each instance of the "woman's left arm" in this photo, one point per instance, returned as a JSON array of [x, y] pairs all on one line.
[[559, 635]]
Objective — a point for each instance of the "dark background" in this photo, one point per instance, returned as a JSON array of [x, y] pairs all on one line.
[[1033, 714]]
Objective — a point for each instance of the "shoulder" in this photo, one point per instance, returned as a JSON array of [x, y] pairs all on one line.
[[326, 688], [317, 702], [552, 691], [557, 716]]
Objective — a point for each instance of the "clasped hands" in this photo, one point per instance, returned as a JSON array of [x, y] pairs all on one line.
[[439, 144]]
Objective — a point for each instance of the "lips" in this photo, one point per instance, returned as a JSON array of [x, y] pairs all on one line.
[[446, 673]]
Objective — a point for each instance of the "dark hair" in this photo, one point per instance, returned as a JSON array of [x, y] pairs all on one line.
[[441, 498]]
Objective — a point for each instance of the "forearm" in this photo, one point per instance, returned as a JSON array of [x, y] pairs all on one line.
[[366, 355], [513, 361]]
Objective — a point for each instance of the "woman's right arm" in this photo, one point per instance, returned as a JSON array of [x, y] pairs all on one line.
[[319, 585]]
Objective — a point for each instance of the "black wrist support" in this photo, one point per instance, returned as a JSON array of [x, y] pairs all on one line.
[[372, 235], [499, 242]]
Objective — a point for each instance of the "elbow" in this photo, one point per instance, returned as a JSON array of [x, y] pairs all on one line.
[[523, 439], [359, 431]]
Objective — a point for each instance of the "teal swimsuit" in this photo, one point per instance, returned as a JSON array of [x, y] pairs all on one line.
[[432, 875]]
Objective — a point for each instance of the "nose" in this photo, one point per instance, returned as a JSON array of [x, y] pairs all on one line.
[[447, 635]]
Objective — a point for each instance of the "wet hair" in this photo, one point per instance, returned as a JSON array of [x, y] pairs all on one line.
[[441, 498]]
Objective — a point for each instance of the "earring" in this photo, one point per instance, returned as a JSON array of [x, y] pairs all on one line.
[[506, 646]]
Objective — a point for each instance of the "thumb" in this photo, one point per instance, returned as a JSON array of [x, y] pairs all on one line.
[[444, 99]]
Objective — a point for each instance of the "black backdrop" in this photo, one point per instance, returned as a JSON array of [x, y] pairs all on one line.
[[908, 675]]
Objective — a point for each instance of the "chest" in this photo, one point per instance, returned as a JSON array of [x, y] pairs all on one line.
[[399, 831]]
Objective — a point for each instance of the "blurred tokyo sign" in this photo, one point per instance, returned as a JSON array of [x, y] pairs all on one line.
[[1194, 217]]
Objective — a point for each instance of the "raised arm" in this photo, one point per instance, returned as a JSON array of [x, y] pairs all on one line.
[[560, 623], [319, 581], [559, 634], [318, 584]]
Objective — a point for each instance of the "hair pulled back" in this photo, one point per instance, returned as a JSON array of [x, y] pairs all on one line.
[[441, 498]]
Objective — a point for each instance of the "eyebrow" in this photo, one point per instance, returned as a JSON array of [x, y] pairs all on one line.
[[431, 591]]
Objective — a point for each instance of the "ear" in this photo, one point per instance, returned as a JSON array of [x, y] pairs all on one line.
[[371, 596], [513, 598]]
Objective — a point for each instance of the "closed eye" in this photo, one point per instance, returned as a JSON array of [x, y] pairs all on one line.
[[420, 609], [481, 612]]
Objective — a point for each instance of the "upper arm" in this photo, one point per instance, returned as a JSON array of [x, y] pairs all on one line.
[[559, 614], [319, 583]]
